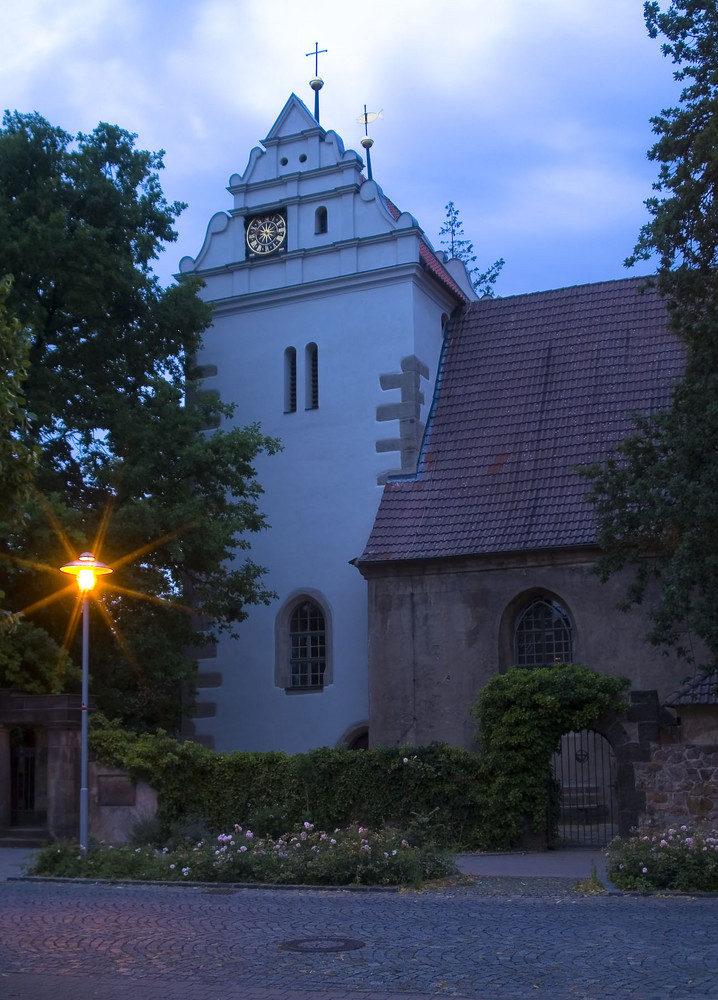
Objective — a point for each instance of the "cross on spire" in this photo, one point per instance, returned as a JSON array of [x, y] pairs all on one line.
[[317, 52], [317, 83]]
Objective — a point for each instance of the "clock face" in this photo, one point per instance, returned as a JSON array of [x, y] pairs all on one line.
[[266, 233]]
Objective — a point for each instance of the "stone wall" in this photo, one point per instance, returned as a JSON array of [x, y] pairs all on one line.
[[680, 782], [117, 804]]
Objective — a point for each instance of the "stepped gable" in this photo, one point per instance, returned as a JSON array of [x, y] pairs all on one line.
[[531, 386]]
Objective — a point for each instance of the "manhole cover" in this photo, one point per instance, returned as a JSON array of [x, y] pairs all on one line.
[[322, 944]]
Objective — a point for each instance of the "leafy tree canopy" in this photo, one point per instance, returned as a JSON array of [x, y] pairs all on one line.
[[655, 496], [17, 458], [462, 249], [116, 413]]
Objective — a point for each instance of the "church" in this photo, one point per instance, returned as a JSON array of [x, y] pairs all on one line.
[[427, 523]]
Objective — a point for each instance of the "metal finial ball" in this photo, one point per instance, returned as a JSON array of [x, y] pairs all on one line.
[[317, 83], [367, 142]]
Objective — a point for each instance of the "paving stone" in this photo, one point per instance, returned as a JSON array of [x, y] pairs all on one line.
[[500, 939]]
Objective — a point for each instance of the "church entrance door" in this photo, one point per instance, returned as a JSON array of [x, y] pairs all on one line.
[[24, 809], [584, 768]]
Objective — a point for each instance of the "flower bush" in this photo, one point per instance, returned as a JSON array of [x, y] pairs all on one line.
[[677, 858], [306, 856]]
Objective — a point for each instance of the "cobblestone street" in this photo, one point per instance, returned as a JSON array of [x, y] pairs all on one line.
[[499, 939]]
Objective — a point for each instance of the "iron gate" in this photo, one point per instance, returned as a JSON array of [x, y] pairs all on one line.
[[584, 769]]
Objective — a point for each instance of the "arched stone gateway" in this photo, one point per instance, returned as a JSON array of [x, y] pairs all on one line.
[[629, 739], [584, 768]]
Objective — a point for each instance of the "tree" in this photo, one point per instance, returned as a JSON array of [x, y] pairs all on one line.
[[115, 409], [462, 249], [655, 496], [17, 458]]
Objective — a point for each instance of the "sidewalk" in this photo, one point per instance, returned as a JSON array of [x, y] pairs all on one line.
[[569, 863], [12, 860]]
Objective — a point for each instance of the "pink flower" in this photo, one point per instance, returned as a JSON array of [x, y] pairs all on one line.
[[308, 826], [406, 760], [303, 835], [644, 870], [249, 835], [242, 849]]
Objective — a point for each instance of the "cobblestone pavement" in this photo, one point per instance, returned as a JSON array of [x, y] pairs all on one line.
[[495, 939]]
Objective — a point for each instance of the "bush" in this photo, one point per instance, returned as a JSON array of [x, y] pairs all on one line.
[[677, 859], [431, 792], [522, 716], [307, 856]]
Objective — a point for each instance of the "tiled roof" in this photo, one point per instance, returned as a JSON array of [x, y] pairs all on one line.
[[530, 387], [429, 259], [701, 690]]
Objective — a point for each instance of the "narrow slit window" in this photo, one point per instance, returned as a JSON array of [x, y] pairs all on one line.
[[312, 377], [290, 380], [320, 220]]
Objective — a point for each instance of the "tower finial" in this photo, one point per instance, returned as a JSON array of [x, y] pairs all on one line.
[[316, 83], [367, 142]]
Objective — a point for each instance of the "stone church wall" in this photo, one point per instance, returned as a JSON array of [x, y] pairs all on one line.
[[438, 630], [680, 782]]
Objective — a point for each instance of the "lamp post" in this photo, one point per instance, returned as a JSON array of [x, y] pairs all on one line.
[[86, 569]]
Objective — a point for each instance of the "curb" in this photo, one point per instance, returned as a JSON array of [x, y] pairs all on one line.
[[175, 883]]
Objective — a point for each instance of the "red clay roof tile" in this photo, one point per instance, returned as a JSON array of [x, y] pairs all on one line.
[[530, 387]]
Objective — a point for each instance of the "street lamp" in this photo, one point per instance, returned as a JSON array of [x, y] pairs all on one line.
[[86, 569]]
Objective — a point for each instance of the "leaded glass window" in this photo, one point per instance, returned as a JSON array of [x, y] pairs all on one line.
[[543, 635], [307, 635]]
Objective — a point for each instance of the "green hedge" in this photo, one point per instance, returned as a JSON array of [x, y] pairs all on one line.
[[438, 793], [432, 791]]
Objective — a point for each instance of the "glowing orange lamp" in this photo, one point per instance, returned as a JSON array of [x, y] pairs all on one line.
[[86, 569]]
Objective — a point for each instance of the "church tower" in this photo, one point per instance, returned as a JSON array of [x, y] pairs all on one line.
[[329, 311]]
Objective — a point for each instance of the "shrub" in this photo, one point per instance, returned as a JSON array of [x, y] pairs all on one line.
[[307, 856], [431, 792], [522, 716], [677, 859]]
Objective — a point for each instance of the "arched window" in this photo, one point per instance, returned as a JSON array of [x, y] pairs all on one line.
[[303, 643], [320, 220], [307, 640], [290, 380], [542, 635], [311, 374]]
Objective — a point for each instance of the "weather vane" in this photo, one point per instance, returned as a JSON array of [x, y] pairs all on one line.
[[316, 83], [367, 142]]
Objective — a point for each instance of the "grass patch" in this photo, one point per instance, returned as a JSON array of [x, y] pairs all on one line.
[[591, 886]]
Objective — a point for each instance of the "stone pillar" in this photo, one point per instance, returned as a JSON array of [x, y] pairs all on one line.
[[5, 791], [63, 782]]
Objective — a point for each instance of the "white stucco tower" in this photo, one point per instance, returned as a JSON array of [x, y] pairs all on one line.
[[329, 310]]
